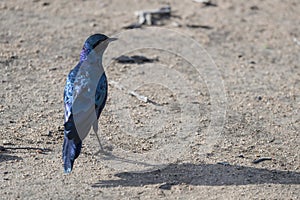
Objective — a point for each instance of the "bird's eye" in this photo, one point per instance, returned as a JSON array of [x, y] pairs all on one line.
[[96, 44]]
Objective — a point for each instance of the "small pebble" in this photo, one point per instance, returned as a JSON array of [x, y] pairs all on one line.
[[258, 98], [241, 156], [176, 24], [254, 8], [93, 24], [45, 4]]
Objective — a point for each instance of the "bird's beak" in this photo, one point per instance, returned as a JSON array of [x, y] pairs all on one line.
[[111, 39]]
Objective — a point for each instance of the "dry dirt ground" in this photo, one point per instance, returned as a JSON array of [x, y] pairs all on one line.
[[249, 101]]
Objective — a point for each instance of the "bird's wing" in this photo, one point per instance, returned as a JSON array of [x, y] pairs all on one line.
[[79, 103], [84, 100], [101, 94], [68, 93], [78, 93]]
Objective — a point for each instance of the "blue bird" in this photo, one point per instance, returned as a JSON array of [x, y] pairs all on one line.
[[85, 95]]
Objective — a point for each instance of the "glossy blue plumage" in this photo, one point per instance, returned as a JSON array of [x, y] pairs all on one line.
[[85, 95]]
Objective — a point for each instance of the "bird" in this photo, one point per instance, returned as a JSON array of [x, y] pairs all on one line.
[[85, 95]]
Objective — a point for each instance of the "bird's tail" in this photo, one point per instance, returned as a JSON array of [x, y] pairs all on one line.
[[71, 151]]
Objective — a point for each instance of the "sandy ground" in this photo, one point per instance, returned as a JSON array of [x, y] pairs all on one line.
[[163, 150]]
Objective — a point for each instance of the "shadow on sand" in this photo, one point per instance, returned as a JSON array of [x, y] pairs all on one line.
[[6, 157], [202, 174], [5, 151]]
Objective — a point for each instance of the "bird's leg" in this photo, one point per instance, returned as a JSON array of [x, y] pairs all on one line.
[[101, 148], [95, 127]]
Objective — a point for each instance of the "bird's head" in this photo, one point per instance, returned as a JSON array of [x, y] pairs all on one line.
[[95, 46]]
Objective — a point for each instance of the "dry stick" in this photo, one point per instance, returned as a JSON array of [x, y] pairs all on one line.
[[131, 92], [145, 16], [261, 160]]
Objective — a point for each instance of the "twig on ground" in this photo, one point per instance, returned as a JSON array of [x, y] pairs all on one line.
[[150, 17], [131, 92], [205, 2], [261, 160]]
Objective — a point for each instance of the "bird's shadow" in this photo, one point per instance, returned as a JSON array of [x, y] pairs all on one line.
[[108, 155], [202, 174]]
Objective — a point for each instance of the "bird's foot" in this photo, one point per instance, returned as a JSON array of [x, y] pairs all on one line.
[[100, 151], [103, 153]]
